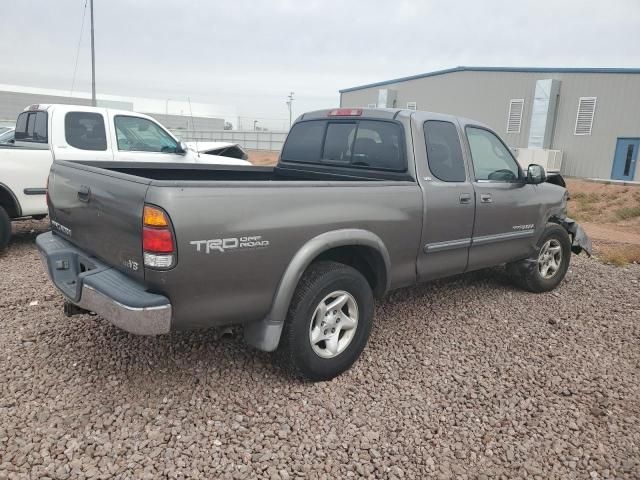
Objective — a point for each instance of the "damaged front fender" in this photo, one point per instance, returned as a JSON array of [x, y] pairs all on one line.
[[581, 241]]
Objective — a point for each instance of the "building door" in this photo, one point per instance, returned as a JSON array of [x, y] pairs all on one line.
[[626, 157]]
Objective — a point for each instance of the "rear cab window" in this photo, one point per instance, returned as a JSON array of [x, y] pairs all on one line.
[[32, 127], [365, 144], [85, 131]]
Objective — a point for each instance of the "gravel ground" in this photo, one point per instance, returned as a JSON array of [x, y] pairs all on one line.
[[464, 378]]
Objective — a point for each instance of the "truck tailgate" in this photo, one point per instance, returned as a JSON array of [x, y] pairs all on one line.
[[100, 212]]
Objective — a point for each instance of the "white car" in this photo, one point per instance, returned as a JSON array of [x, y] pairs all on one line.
[[45, 133]]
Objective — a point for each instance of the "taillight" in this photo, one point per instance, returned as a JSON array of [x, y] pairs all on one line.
[[157, 238]]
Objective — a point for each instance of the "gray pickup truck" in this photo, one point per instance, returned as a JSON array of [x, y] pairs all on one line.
[[361, 202]]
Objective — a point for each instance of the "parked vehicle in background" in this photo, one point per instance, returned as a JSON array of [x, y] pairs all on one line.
[[45, 133], [361, 202], [7, 136], [224, 149]]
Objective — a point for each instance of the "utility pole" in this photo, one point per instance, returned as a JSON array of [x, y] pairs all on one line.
[[93, 63], [290, 105]]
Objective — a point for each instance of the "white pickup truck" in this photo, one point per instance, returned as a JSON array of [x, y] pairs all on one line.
[[45, 133]]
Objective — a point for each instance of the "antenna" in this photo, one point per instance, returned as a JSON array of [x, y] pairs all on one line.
[[93, 63], [193, 125]]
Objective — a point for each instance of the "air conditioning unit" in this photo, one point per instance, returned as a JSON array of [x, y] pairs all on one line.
[[551, 160]]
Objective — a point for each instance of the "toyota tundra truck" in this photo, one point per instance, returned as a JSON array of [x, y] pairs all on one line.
[[361, 202]]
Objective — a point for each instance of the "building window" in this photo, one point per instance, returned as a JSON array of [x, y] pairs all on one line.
[[412, 105], [514, 119], [584, 117]]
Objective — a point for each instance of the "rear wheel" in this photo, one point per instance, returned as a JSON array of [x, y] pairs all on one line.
[[328, 322], [546, 269], [5, 228]]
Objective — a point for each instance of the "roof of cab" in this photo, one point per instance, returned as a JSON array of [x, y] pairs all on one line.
[[385, 113]]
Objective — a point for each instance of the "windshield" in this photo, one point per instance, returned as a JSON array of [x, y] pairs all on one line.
[[5, 136]]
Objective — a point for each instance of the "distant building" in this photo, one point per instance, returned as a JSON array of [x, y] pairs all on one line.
[[590, 115], [12, 103]]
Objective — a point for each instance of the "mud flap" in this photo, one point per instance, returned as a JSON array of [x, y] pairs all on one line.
[[581, 241]]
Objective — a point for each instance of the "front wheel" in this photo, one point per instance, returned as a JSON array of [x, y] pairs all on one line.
[[328, 322], [5, 229], [546, 269]]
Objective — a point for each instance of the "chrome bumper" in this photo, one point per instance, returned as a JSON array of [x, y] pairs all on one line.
[[137, 320], [94, 286]]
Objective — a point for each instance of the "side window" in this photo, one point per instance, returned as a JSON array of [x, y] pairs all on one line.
[[378, 145], [304, 142], [444, 153], [491, 159], [85, 130], [138, 134], [32, 127], [338, 143]]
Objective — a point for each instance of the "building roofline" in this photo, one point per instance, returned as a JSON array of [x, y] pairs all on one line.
[[496, 69]]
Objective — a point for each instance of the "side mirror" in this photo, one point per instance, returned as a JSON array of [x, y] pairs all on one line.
[[182, 148], [536, 174]]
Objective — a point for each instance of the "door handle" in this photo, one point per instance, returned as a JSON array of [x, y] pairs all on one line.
[[486, 198], [84, 193], [465, 198]]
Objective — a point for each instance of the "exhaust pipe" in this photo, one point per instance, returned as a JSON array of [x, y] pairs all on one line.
[[71, 309]]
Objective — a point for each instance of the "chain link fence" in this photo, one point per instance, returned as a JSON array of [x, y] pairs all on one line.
[[247, 139]]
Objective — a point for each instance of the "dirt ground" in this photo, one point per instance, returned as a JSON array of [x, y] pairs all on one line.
[[263, 157], [610, 214]]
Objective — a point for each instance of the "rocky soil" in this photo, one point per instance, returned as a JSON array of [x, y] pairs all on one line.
[[463, 378]]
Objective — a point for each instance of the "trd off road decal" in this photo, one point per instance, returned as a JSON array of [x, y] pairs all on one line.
[[222, 245]]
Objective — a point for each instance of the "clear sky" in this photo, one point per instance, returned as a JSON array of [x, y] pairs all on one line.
[[246, 56]]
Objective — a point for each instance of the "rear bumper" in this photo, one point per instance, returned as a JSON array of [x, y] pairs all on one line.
[[94, 286]]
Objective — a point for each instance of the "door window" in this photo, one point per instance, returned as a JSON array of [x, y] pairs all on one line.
[[85, 130], [444, 153], [136, 134], [491, 159]]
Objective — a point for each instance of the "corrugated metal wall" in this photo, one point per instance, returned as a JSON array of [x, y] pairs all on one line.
[[485, 96]]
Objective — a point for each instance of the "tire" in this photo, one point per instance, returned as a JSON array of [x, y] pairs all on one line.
[[547, 267], [324, 283], [5, 229]]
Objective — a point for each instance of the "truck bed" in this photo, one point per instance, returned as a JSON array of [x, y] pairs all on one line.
[[98, 208]]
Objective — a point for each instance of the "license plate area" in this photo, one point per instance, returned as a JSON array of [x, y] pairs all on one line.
[[68, 269]]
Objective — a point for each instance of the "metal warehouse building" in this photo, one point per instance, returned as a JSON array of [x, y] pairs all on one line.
[[586, 118], [14, 102]]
